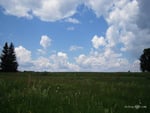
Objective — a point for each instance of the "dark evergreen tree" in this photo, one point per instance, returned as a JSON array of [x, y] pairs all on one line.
[[4, 58], [145, 60], [12, 59], [8, 59]]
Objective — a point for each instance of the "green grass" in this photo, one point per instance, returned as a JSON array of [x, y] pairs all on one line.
[[74, 92]]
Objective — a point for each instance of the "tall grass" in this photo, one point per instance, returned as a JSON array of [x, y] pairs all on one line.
[[74, 93]]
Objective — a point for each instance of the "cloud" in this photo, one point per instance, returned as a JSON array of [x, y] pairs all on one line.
[[122, 36], [124, 17], [26, 62], [62, 55], [45, 41], [50, 10], [98, 41], [70, 28], [55, 10], [135, 67], [72, 20], [112, 36], [41, 51], [60, 62], [75, 48], [23, 55], [121, 20], [45, 10], [125, 11], [100, 7], [55, 62], [41, 64], [125, 31], [16, 7], [107, 60]]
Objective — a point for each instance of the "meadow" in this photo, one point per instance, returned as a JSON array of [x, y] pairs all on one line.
[[74, 92]]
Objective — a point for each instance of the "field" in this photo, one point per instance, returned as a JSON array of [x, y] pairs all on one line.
[[74, 92]]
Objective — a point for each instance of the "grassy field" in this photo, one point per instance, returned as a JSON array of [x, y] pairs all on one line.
[[74, 92]]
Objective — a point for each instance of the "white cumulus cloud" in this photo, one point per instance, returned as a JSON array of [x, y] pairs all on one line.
[[23, 55], [62, 55], [45, 41], [60, 62], [41, 64], [100, 7], [98, 41], [107, 60], [75, 48], [72, 20]]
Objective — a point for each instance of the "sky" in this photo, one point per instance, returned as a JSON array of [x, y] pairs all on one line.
[[76, 35]]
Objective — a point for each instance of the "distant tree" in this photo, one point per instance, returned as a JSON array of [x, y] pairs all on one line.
[[8, 59], [145, 60]]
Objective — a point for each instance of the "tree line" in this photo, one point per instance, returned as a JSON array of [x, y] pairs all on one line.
[[8, 60]]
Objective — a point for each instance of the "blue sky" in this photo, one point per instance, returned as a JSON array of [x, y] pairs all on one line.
[[86, 35]]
